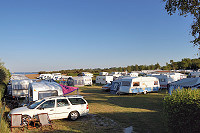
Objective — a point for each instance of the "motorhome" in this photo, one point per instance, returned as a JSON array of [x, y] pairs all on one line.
[[139, 85], [39, 90], [104, 79]]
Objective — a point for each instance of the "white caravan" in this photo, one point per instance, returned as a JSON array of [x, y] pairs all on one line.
[[39, 90], [104, 79], [139, 85], [103, 73], [82, 80], [18, 77], [45, 76], [165, 79], [87, 74], [194, 74], [87, 80], [133, 74], [56, 76]]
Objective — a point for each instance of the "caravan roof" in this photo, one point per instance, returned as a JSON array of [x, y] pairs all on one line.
[[187, 82], [45, 85]]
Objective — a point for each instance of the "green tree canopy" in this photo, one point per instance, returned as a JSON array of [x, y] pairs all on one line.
[[184, 8], [4, 73]]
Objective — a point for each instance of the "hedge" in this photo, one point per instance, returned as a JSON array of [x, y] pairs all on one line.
[[182, 110]]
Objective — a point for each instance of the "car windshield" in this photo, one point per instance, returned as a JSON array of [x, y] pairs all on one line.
[[35, 104]]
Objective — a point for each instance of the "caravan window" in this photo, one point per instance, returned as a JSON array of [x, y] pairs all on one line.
[[43, 94], [136, 83], [126, 83]]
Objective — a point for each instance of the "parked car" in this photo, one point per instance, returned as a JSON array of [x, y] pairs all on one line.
[[107, 87], [57, 107]]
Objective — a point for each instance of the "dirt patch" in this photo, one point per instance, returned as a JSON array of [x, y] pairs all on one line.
[[32, 76]]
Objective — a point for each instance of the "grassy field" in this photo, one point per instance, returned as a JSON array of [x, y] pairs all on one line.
[[113, 113]]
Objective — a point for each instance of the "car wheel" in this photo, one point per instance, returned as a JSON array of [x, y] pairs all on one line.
[[24, 117], [145, 92], [73, 115]]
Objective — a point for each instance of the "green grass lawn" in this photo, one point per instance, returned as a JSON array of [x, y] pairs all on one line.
[[113, 113]]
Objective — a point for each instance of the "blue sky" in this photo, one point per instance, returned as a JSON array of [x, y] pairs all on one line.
[[49, 35]]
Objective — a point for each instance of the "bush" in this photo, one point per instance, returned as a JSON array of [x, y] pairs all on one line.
[[182, 110]]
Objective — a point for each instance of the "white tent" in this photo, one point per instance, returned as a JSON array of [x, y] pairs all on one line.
[[192, 83]]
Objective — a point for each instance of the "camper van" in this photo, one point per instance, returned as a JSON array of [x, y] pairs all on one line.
[[39, 90], [104, 79], [139, 85]]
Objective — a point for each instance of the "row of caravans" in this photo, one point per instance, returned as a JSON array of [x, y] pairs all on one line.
[[135, 85], [153, 82], [168, 78], [104, 79], [59, 76], [54, 76]]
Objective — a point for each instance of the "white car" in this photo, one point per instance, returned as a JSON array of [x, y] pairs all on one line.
[[57, 107], [106, 87]]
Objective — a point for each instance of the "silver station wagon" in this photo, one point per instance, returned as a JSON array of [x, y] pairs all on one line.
[[57, 107]]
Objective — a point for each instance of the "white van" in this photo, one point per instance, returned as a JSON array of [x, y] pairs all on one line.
[[139, 85]]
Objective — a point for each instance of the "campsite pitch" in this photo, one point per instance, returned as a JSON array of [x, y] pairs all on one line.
[[113, 113]]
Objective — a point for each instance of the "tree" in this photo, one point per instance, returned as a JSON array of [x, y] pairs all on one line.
[[185, 8], [4, 74], [157, 66], [129, 69], [136, 67]]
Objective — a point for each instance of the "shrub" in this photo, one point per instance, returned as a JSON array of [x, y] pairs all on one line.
[[182, 110]]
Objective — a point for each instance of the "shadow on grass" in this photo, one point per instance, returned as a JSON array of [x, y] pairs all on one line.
[[143, 102], [142, 122]]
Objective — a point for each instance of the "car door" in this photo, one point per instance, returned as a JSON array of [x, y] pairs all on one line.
[[63, 108], [78, 104], [47, 107]]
